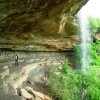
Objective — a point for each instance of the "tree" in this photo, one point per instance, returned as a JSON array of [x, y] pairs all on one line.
[[94, 25]]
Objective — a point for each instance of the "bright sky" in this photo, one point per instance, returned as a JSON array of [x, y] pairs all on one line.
[[92, 8]]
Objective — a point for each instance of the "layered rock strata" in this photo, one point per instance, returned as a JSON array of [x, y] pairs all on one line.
[[39, 25]]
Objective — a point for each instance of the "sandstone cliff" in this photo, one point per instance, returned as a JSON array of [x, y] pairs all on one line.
[[39, 25]]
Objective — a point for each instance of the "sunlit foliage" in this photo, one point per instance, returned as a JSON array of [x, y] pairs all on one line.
[[66, 84], [94, 25]]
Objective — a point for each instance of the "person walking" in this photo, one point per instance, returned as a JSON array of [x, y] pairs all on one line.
[[16, 60]]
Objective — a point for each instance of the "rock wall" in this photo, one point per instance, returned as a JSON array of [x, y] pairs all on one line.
[[8, 57], [39, 25]]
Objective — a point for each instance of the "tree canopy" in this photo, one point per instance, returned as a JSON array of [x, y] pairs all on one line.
[[94, 24]]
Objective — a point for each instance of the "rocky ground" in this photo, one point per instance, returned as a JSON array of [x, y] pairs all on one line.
[[29, 75]]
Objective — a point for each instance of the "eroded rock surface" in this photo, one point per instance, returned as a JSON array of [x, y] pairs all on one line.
[[39, 25], [31, 72]]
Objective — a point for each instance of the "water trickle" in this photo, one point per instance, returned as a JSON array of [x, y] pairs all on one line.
[[85, 39]]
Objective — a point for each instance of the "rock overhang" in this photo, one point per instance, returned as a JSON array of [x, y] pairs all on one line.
[[39, 25]]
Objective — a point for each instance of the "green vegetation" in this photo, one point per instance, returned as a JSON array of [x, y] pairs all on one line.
[[95, 55], [94, 25], [78, 55], [66, 84]]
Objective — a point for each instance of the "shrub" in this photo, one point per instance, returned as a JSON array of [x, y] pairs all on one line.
[[66, 84]]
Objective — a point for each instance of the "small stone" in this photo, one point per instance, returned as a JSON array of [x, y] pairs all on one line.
[[25, 94], [5, 67]]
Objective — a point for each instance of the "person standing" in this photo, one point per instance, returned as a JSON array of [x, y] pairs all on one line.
[[16, 60]]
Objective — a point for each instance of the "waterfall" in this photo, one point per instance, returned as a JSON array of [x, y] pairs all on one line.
[[85, 39]]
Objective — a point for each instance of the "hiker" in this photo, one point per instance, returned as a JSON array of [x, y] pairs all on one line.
[[16, 61]]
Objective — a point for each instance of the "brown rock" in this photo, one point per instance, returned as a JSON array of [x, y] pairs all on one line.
[[29, 24]]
